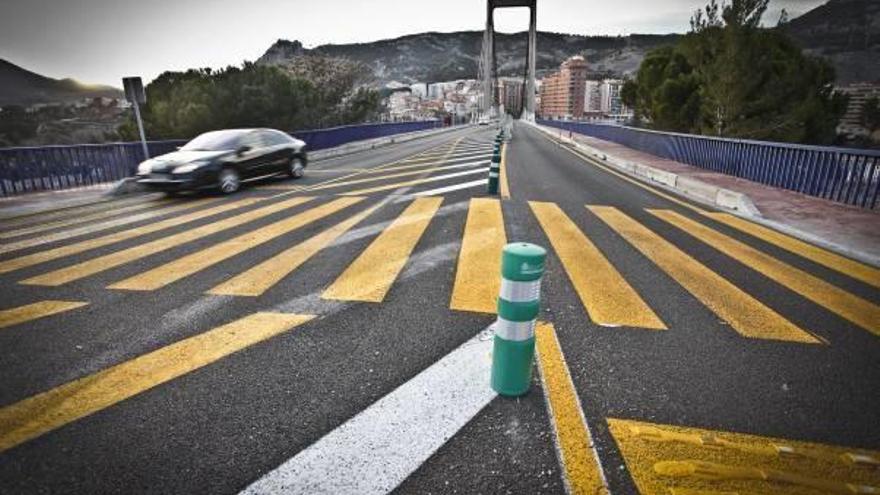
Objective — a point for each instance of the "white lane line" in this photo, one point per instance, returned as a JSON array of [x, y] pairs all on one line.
[[454, 187], [382, 445]]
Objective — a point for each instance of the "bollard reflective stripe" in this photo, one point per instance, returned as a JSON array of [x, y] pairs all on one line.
[[522, 266]]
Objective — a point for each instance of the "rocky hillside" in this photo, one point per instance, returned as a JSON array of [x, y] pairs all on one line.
[[20, 86], [449, 56], [845, 31]]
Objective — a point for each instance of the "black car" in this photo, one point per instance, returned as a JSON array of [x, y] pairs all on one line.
[[223, 160]]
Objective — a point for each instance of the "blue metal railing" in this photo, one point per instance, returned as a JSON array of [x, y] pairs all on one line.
[[844, 175], [28, 169]]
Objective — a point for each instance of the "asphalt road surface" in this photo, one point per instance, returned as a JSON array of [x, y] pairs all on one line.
[[332, 335]]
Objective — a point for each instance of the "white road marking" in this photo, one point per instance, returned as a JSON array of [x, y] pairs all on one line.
[[454, 187], [376, 450]]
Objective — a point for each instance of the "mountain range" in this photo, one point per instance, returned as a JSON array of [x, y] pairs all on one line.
[[19, 86], [847, 32]]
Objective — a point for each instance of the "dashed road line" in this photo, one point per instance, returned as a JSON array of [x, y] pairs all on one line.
[[42, 413], [41, 309], [748, 316]]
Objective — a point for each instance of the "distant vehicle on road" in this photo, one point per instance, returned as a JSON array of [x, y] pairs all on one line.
[[484, 120], [225, 159]]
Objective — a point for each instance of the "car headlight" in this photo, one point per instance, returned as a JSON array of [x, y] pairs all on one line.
[[145, 168], [185, 169]]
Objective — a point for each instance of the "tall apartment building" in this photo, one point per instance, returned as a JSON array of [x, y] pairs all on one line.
[[603, 97], [593, 97], [510, 94], [563, 92]]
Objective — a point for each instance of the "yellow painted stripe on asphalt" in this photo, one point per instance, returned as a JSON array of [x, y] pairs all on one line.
[[370, 276], [102, 263], [397, 185], [679, 460], [183, 267], [478, 275], [502, 178], [257, 280], [82, 246], [74, 400], [80, 219], [39, 217], [745, 314], [379, 177], [41, 309], [575, 447], [605, 294], [836, 300], [854, 269], [98, 227]]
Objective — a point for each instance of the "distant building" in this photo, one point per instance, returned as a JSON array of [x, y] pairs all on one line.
[[593, 97], [510, 94], [563, 92], [602, 100]]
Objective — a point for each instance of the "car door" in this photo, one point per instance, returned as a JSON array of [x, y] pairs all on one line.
[[278, 150], [252, 163]]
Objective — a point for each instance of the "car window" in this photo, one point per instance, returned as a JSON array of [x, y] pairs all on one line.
[[214, 141], [275, 138], [252, 139]]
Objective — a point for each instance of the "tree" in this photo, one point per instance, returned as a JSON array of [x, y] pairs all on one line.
[[730, 77], [871, 115]]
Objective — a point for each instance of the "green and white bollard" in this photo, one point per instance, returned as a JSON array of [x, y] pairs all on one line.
[[494, 173], [522, 266]]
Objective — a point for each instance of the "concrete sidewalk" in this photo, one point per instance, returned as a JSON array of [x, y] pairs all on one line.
[[847, 229]]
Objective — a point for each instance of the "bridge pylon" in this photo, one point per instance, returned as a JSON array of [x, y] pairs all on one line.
[[489, 72]]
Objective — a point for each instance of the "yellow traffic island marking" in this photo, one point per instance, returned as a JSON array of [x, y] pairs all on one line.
[[478, 273], [665, 459], [574, 445], [41, 309], [502, 179]]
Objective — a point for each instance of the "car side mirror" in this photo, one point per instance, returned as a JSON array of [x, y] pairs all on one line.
[[242, 150]]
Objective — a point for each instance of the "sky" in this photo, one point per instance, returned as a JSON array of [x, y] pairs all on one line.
[[101, 41]]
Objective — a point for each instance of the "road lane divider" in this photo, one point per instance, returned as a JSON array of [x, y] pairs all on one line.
[[369, 277], [106, 262], [478, 273], [381, 446], [513, 350], [848, 306], [745, 314], [502, 175], [193, 263], [257, 280], [47, 411], [859, 271], [494, 171], [608, 298], [13, 264], [101, 226], [575, 448], [415, 182], [33, 311]]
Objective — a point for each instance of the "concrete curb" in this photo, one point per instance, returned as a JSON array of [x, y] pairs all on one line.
[[686, 186], [739, 204]]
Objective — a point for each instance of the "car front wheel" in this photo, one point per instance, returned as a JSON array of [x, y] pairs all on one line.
[[230, 181], [296, 169]]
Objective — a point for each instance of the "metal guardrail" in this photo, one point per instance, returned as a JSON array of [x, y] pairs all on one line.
[[29, 169], [844, 175]]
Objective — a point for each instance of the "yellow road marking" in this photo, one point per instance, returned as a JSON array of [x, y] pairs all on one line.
[[415, 182], [370, 276], [37, 218], [580, 462], [377, 177], [502, 176], [259, 279], [844, 304], [28, 312], [91, 229], [842, 264], [681, 460], [102, 263], [74, 400], [478, 275], [78, 220], [79, 247], [605, 294], [854, 269], [745, 314], [183, 267]]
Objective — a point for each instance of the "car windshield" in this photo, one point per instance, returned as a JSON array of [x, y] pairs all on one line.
[[214, 141]]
